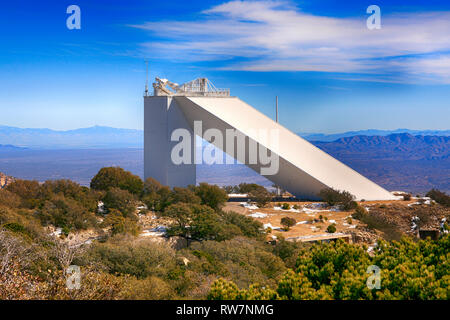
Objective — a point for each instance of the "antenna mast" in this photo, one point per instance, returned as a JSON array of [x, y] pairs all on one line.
[[276, 108], [276, 112], [146, 79]]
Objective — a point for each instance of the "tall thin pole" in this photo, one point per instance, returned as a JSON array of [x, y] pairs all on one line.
[[276, 112], [277, 107]]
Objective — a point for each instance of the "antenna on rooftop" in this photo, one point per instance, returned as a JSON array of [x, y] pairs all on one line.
[[146, 79]]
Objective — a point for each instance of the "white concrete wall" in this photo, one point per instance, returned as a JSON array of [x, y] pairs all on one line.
[[161, 116], [304, 168]]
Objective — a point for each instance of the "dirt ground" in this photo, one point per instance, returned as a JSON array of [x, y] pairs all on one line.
[[398, 213], [308, 223]]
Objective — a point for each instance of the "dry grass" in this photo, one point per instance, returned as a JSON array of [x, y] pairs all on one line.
[[390, 219]]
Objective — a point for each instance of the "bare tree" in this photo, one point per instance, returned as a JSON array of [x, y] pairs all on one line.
[[12, 251], [65, 253]]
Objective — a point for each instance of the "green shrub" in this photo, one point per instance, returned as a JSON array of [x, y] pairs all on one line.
[[121, 200], [360, 212], [115, 177], [261, 196], [120, 224], [150, 288], [335, 197], [21, 221], [9, 199], [231, 189], [66, 213], [14, 227], [325, 271], [211, 195], [331, 228], [285, 206], [164, 198], [249, 227], [184, 195], [151, 185], [288, 251], [151, 200], [28, 191], [198, 223], [86, 197], [248, 187], [288, 222], [127, 257], [243, 260], [350, 205]]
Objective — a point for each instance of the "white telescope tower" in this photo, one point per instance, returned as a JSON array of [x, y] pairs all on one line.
[[303, 170]]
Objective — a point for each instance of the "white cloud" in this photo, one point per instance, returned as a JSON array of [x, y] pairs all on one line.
[[277, 36]]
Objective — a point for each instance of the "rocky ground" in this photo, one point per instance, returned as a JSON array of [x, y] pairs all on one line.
[[5, 180], [400, 214]]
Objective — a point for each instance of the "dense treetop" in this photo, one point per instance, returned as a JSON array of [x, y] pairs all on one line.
[[115, 177]]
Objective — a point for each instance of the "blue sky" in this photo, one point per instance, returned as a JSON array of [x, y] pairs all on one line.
[[330, 72]]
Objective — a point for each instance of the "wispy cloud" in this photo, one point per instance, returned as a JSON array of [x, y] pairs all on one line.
[[278, 36]]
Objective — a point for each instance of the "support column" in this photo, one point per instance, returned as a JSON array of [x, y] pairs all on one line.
[[161, 117]]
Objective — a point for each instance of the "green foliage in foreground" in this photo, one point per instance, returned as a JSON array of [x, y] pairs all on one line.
[[409, 270], [222, 245]]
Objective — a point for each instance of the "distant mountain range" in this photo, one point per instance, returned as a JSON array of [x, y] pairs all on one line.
[[9, 147], [86, 138], [414, 161], [371, 132], [100, 137], [398, 161], [399, 146]]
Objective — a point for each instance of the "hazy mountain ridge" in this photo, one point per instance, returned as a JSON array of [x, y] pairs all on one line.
[[371, 132], [92, 137], [5, 147], [402, 146], [108, 137], [399, 161]]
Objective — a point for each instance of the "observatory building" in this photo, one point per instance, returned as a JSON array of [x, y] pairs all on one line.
[[302, 168]]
